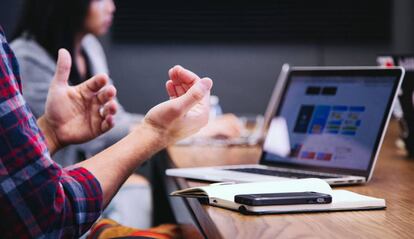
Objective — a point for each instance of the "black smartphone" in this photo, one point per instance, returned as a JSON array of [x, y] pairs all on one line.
[[264, 199]]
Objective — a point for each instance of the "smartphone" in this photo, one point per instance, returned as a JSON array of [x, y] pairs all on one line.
[[265, 199]]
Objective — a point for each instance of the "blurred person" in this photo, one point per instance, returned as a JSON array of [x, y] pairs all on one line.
[[47, 25], [44, 27]]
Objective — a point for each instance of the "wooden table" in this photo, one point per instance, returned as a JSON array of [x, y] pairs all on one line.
[[393, 180]]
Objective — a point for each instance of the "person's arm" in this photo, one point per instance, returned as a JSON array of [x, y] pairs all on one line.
[[184, 114], [38, 198], [70, 118]]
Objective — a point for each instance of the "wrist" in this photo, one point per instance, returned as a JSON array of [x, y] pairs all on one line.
[[52, 141], [157, 137]]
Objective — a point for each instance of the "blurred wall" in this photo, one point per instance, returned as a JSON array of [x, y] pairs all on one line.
[[243, 74], [9, 12]]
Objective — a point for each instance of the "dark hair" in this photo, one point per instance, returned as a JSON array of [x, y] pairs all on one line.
[[54, 25]]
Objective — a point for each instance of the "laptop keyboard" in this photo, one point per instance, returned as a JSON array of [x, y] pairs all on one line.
[[279, 173]]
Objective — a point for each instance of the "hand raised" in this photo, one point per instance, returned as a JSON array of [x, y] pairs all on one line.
[[75, 114], [186, 111]]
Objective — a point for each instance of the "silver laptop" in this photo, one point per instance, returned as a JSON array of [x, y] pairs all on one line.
[[326, 122]]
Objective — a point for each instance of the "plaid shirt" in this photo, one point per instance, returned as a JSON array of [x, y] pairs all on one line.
[[38, 199]]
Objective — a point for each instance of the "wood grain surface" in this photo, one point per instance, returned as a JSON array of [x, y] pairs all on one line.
[[393, 180]]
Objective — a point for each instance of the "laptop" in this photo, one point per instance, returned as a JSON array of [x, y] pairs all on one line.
[[326, 122]]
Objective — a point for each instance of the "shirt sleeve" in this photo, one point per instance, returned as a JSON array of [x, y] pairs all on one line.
[[38, 198]]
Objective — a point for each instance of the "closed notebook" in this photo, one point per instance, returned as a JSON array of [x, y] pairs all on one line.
[[222, 195]]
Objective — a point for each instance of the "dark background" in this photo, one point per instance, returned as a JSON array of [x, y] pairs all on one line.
[[241, 45]]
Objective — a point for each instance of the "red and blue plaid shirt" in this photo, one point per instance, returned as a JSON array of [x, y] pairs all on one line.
[[38, 199]]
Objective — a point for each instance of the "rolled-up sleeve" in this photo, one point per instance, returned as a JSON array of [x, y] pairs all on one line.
[[84, 199]]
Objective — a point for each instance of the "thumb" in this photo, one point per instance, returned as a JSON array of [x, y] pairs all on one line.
[[63, 65], [195, 94]]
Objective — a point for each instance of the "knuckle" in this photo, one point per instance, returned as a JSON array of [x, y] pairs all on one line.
[[197, 94]]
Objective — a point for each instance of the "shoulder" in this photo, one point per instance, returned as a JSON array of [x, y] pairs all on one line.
[[28, 50]]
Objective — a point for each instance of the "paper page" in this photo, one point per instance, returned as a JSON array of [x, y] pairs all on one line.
[[341, 200], [227, 192], [344, 197]]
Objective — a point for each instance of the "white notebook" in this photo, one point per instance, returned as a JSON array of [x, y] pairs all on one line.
[[222, 195]]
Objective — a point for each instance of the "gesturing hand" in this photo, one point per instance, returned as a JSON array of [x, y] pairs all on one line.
[[186, 111], [75, 114]]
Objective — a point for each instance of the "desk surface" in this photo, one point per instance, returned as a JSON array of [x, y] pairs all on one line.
[[393, 180]]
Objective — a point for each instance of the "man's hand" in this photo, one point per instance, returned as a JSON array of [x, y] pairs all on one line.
[[75, 114], [186, 111]]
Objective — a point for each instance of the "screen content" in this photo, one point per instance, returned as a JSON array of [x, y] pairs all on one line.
[[329, 121]]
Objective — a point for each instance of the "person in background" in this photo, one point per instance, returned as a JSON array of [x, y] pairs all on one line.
[[47, 25], [44, 27], [38, 198]]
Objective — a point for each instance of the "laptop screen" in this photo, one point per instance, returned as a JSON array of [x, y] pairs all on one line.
[[330, 120]]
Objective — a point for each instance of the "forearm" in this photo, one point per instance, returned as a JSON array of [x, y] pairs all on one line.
[[115, 164]]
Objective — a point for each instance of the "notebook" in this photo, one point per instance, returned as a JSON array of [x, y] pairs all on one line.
[[223, 196], [326, 122]]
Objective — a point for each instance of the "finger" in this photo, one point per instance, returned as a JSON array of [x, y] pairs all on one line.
[[180, 75], [169, 85], [109, 108], [180, 90], [63, 65], [106, 94], [170, 72], [94, 84], [107, 123], [194, 95], [186, 87]]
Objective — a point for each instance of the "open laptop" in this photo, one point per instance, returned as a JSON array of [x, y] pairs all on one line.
[[328, 123]]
